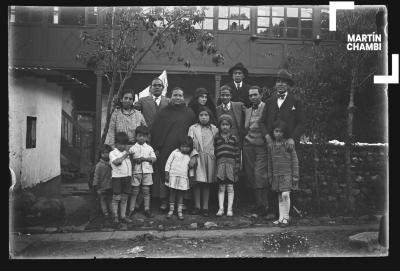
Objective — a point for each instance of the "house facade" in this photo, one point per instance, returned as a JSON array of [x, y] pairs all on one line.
[[58, 100]]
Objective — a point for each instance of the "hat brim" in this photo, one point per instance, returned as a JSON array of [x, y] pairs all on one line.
[[289, 81], [244, 70]]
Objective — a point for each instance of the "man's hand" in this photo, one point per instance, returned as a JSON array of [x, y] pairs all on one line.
[[289, 144], [268, 139], [157, 153], [193, 162]]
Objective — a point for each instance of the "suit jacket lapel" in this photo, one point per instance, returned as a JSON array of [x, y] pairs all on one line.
[[236, 112]]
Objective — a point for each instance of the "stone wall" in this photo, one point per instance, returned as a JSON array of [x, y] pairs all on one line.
[[369, 179]]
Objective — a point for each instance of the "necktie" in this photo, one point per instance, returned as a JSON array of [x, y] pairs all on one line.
[[225, 107], [281, 95], [155, 100], [237, 86], [254, 106]]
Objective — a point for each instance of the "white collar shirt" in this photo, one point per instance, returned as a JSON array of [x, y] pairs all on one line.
[[157, 100], [281, 100], [144, 151], [227, 107], [238, 85]]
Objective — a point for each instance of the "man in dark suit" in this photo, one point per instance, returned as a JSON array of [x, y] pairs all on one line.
[[239, 89], [150, 105], [286, 107]]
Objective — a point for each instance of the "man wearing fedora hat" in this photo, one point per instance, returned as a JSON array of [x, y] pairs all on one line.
[[286, 107], [239, 89]]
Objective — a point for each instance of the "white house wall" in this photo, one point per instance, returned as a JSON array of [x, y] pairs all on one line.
[[37, 98]]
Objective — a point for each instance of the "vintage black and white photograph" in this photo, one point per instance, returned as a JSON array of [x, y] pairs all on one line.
[[229, 131]]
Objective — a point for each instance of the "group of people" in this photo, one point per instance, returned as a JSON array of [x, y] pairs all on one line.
[[174, 152]]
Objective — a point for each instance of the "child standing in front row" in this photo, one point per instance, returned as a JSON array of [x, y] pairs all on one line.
[[227, 152], [283, 171], [176, 174], [102, 180], [143, 158], [121, 176], [203, 134]]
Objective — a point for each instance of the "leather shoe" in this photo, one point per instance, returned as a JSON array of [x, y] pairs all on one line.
[[195, 211], [206, 213]]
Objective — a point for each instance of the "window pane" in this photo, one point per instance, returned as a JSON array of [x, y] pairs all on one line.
[[72, 15], [292, 12], [306, 23], [209, 12], [234, 12], [263, 11], [263, 21], [244, 25], [233, 24], [306, 33], [324, 18], [223, 12], [291, 33], [263, 31], [244, 13], [208, 24], [222, 24], [92, 15], [292, 22], [278, 22], [277, 32], [277, 11], [306, 12]]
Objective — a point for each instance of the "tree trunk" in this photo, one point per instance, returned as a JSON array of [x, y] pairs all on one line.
[[349, 141]]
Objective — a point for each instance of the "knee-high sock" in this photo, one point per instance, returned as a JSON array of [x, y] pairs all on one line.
[[231, 195], [280, 206], [135, 192], [124, 202], [146, 197], [206, 195], [196, 194], [221, 196], [172, 194], [114, 203], [286, 204]]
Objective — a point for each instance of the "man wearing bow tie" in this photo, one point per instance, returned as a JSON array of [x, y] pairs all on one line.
[[286, 107], [239, 89], [255, 152]]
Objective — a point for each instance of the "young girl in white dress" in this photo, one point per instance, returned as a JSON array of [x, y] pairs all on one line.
[[177, 173]]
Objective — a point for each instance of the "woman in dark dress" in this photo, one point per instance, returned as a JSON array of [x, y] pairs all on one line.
[[170, 124], [202, 98]]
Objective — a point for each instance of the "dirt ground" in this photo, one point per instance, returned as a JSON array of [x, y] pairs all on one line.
[[322, 244]]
